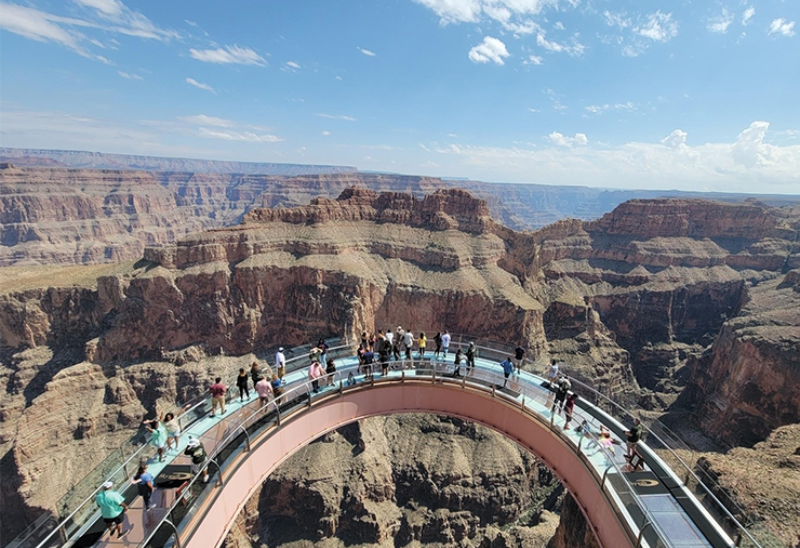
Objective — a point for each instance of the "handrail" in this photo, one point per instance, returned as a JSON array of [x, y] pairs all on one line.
[[303, 387], [195, 402], [651, 433]]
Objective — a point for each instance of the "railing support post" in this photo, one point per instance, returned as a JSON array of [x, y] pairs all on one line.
[[603, 483], [494, 389], [246, 436], [641, 533], [220, 482], [174, 530]]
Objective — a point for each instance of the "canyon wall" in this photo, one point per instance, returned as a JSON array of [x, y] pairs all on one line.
[[686, 299]]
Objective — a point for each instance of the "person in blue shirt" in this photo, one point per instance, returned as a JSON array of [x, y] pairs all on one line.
[[144, 482], [112, 508], [508, 368]]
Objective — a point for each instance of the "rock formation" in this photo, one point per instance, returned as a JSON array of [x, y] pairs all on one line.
[[658, 294]]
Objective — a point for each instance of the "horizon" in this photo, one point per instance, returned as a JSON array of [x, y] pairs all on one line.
[[453, 180], [587, 93]]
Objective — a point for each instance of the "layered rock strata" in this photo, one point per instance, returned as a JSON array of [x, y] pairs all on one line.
[[634, 298]]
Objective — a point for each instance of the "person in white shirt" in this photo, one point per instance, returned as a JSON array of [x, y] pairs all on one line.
[[280, 362], [409, 342], [445, 344]]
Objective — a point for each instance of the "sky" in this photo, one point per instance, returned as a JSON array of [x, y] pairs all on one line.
[[644, 94]]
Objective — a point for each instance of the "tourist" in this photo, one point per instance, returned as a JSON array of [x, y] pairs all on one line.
[[634, 436], [324, 350], [569, 406], [255, 374], [552, 372], [280, 362], [422, 342], [173, 427], [397, 345], [364, 339], [508, 368], [445, 344], [158, 436], [217, 397], [368, 357], [390, 340], [315, 371], [519, 356], [330, 370], [562, 388], [241, 384], [112, 509], [277, 385], [472, 353], [551, 376], [457, 363], [408, 342], [383, 356], [197, 453], [263, 389], [437, 339], [144, 483]]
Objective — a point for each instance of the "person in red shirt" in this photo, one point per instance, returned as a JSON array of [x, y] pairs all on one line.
[[217, 397]]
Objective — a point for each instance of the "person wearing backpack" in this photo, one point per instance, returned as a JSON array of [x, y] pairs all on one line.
[[197, 453]]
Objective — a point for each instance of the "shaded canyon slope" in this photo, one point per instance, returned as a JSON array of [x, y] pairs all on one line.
[[651, 302]]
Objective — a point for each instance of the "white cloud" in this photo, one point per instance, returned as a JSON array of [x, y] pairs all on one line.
[[40, 26], [561, 140], [749, 149], [200, 85], [490, 50], [367, 52], [676, 139], [110, 16], [292, 64], [559, 25], [247, 136], [533, 60], [204, 120], [599, 109], [748, 15], [514, 15], [782, 26], [658, 26], [632, 51], [576, 49], [746, 165], [337, 117], [617, 19], [720, 23], [326, 133], [230, 54], [130, 76]]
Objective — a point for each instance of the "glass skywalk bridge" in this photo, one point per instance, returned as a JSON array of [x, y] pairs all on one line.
[[663, 506]]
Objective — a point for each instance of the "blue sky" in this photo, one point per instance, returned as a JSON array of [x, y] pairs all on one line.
[[640, 94]]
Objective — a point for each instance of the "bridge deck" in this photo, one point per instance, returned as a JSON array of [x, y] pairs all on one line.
[[670, 524]]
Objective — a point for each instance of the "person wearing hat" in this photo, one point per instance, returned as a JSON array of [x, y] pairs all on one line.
[[472, 353], [280, 362], [196, 451], [112, 508]]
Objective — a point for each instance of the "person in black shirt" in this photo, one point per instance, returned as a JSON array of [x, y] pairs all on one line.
[[196, 451], [519, 355]]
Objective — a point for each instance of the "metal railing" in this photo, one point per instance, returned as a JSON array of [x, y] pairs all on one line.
[[248, 423], [622, 494], [121, 464]]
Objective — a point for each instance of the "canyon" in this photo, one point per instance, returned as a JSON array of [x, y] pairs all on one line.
[[686, 308]]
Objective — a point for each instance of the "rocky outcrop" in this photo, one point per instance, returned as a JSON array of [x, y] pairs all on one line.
[[622, 310], [748, 384]]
